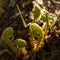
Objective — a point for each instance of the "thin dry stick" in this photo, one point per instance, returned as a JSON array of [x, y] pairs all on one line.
[[6, 50], [24, 23], [56, 2], [16, 15]]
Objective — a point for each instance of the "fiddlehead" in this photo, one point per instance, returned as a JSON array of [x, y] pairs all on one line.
[[8, 37], [7, 34]]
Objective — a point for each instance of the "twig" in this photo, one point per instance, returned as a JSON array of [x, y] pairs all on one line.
[[16, 15], [24, 23], [6, 50], [56, 2], [12, 3]]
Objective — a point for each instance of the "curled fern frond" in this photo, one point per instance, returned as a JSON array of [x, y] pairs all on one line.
[[7, 35], [36, 30], [19, 43]]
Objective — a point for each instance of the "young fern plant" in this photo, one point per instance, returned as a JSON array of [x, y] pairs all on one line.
[[8, 37], [20, 44], [35, 31], [36, 35], [17, 46], [46, 17]]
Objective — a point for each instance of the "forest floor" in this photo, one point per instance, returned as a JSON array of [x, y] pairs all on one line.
[[11, 18]]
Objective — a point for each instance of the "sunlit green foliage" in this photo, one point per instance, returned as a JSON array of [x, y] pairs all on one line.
[[46, 17], [36, 12]]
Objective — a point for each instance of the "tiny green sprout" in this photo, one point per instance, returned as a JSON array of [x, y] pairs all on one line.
[[20, 44], [7, 34]]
